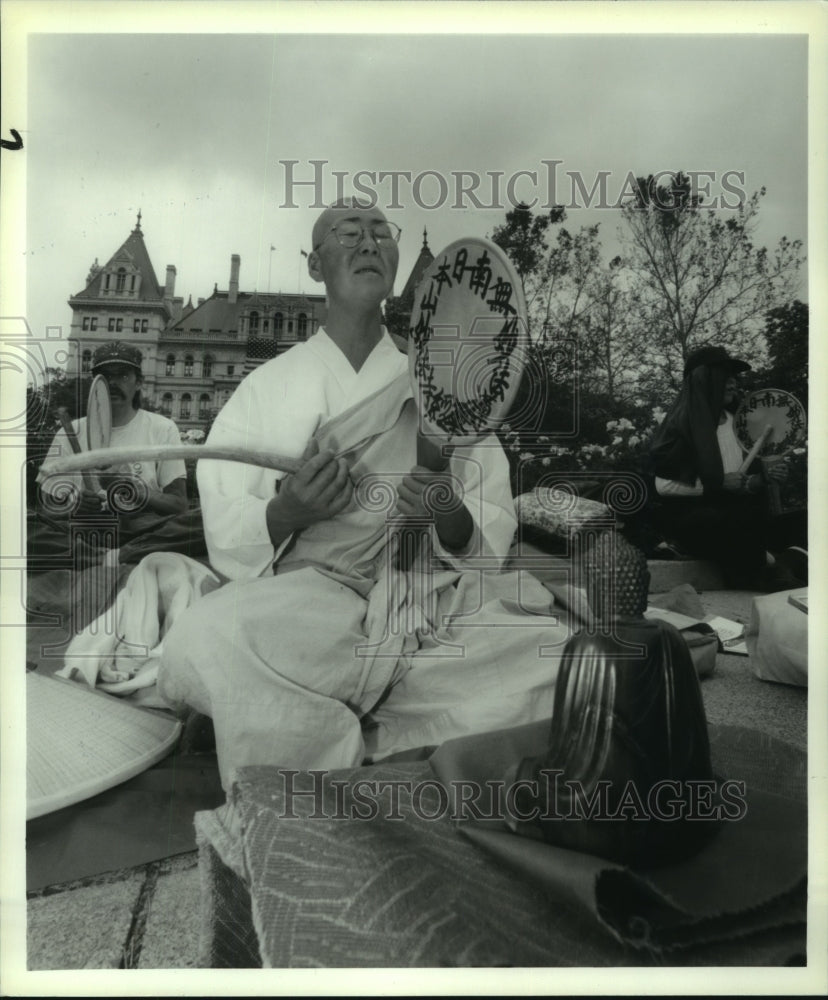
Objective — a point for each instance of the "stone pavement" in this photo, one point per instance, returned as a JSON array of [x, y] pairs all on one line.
[[145, 917]]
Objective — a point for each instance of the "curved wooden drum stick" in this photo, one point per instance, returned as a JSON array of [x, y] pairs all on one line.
[[757, 447], [103, 457]]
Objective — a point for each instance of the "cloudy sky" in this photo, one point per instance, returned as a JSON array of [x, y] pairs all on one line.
[[191, 129]]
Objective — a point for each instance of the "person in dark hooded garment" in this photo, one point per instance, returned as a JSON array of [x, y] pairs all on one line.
[[707, 506]]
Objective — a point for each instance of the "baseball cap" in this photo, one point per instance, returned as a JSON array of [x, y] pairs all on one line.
[[117, 353]]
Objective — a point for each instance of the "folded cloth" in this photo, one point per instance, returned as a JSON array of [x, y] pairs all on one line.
[[119, 651], [365, 867], [750, 876], [683, 599]]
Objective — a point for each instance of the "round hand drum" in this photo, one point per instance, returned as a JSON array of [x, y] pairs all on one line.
[[467, 342], [98, 415], [773, 408]]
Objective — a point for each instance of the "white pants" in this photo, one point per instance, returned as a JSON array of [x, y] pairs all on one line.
[[280, 664]]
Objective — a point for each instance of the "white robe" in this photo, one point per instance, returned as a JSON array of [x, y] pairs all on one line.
[[288, 663]]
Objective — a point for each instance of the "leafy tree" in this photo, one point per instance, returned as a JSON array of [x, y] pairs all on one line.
[[398, 316], [786, 334], [553, 272], [611, 335], [701, 278], [523, 237]]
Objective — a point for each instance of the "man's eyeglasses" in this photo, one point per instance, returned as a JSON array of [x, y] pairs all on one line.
[[351, 234]]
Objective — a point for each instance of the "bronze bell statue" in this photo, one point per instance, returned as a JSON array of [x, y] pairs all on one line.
[[627, 773]]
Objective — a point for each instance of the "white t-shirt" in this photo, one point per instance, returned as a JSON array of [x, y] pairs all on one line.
[[731, 452], [144, 428], [278, 408]]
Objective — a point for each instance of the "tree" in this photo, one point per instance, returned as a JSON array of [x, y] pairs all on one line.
[[397, 316], [552, 273], [786, 335], [611, 335], [42, 423], [701, 277]]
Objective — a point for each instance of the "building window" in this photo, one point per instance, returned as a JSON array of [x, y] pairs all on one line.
[[231, 369], [186, 399], [203, 406], [136, 326], [166, 404], [303, 326], [290, 327], [106, 285], [120, 280], [86, 322], [119, 325], [170, 364], [253, 324], [132, 283], [111, 326], [188, 365], [86, 361], [93, 323], [278, 323], [207, 367], [144, 325]]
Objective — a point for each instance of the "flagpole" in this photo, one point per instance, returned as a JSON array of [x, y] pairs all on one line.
[[270, 266]]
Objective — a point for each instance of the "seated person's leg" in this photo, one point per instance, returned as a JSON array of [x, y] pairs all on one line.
[[272, 662]]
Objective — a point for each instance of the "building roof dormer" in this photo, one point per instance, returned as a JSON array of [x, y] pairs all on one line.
[[127, 277]]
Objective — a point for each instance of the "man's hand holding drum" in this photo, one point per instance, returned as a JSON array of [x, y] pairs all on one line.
[[452, 519]]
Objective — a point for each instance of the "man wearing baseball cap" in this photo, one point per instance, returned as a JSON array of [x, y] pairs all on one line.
[[160, 487]]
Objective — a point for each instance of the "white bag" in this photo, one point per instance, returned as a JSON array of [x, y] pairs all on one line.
[[777, 639]]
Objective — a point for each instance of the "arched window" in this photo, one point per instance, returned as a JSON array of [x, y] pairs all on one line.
[[278, 324], [170, 369], [203, 406], [254, 324], [186, 399], [303, 326], [207, 366], [166, 404], [86, 361], [120, 279], [188, 365]]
